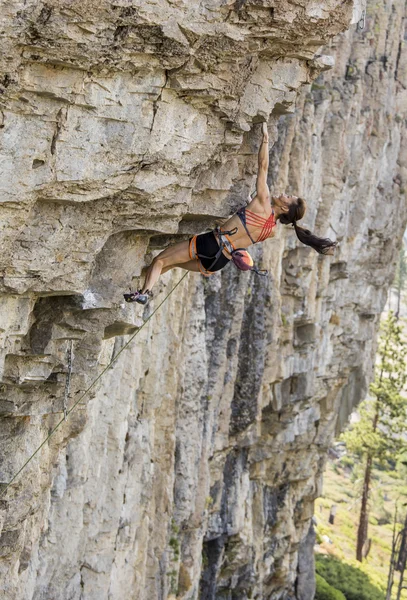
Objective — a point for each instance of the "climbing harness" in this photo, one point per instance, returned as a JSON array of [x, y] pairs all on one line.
[[224, 244], [68, 412], [240, 256]]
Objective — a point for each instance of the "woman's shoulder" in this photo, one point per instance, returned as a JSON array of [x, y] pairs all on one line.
[[259, 204]]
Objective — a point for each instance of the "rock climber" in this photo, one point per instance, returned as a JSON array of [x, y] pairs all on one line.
[[209, 252]]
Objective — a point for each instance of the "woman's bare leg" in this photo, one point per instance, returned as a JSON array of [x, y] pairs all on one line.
[[176, 255], [191, 265]]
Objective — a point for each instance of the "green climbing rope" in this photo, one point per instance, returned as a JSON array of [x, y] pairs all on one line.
[[68, 412]]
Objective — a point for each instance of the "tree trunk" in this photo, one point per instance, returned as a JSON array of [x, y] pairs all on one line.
[[364, 515], [402, 558], [390, 577], [400, 585], [367, 547], [332, 514]]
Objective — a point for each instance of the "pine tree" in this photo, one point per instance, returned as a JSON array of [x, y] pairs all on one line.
[[377, 437]]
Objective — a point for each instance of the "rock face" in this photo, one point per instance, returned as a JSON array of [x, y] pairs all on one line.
[[191, 468]]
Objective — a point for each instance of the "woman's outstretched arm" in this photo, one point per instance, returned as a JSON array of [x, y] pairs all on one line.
[[263, 191]]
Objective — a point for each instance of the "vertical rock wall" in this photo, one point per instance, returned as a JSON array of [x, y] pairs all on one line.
[[191, 469]]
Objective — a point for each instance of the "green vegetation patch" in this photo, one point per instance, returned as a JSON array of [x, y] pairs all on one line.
[[353, 583], [325, 591]]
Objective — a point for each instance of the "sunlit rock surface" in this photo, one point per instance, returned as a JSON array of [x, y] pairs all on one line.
[[191, 468]]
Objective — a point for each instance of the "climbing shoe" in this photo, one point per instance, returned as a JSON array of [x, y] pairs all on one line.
[[138, 297]]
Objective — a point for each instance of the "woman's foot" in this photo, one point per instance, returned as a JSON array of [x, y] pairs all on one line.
[[140, 297]]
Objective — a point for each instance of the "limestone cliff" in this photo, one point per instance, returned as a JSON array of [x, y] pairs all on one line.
[[191, 470]]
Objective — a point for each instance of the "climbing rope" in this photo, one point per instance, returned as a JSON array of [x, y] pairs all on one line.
[[69, 355], [68, 412]]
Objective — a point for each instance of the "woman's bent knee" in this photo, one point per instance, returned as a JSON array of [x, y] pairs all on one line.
[[159, 263]]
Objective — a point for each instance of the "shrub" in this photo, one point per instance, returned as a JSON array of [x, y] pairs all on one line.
[[318, 537], [353, 583], [373, 520], [347, 461], [325, 591]]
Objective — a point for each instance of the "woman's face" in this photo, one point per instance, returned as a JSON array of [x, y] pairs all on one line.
[[283, 201]]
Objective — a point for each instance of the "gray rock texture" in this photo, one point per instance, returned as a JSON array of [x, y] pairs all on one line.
[[190, 470]]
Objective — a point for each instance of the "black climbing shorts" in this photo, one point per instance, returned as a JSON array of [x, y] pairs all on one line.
[[207, 244]]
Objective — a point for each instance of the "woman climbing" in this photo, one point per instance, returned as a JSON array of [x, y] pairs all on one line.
[[210, 252]]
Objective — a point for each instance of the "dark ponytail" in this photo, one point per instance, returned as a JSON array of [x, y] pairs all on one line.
[[321, 245], [296, 211]]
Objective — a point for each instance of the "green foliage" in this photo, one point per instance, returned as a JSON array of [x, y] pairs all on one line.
[[284, 319], [318, 537], [208, 502], [353, 583], [384, 515], [174, 544], [378, 437], [379, 432], [317, 86], [382, 502], [174, 527], [347, 461], [173, 581], [401, 466], [325, 591], [174, 541], [400, 279], [372, 520]]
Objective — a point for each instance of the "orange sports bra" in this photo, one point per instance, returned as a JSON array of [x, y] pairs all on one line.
[[248, 217]]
